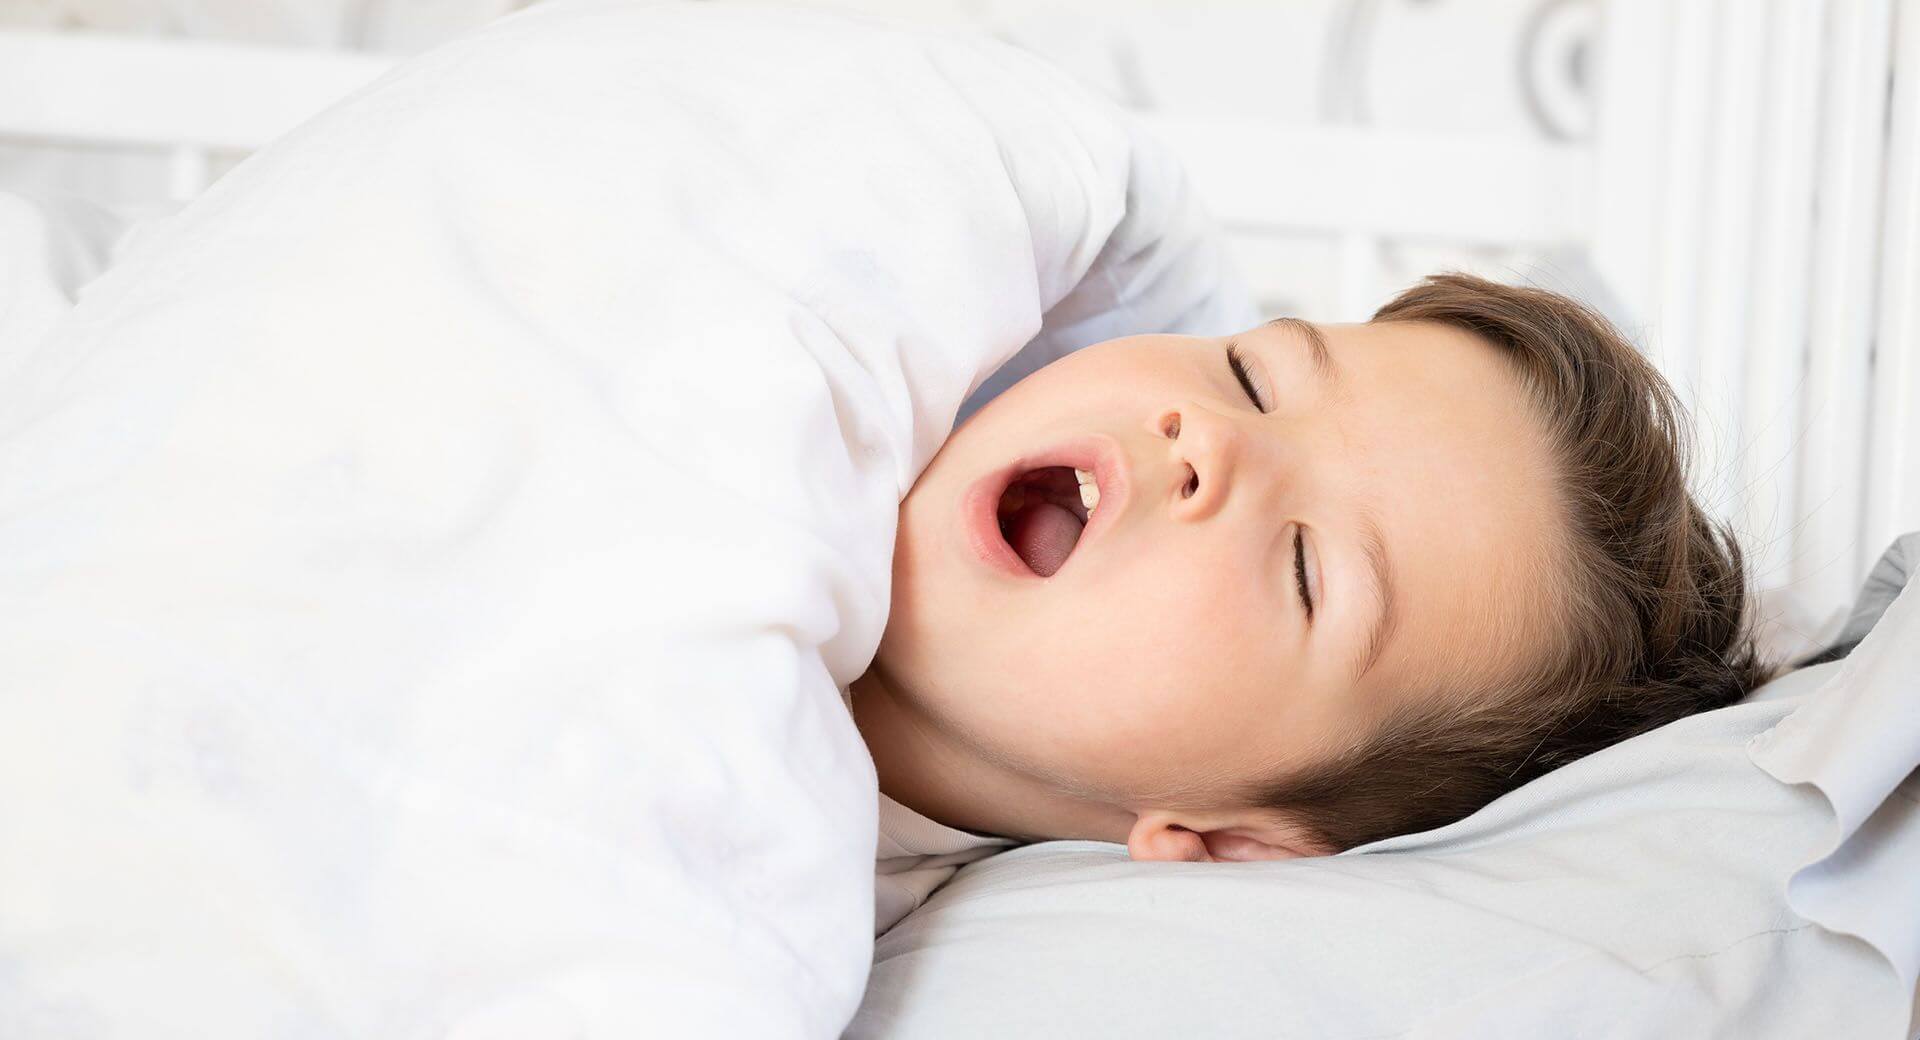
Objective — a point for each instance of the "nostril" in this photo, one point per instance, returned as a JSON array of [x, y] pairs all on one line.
[[1193, 484], [1172, 426]]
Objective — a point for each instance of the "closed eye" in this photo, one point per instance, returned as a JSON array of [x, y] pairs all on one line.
[[1240, 372], [1239, 367], [1300, 573]]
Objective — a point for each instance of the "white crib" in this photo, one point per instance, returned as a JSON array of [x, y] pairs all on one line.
[[1749, 205]]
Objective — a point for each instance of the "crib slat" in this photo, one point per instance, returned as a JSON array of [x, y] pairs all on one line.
[[1893, 492], [1774, 351], [1689, 93], [1359, 269], [1324, 180], [1635, 70], [188, 172], [1846, 240], [1730, 181]]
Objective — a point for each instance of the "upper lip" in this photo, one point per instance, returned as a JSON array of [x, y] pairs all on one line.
[[1098, 454]]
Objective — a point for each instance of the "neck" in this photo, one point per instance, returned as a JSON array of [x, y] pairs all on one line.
[[928, 770]]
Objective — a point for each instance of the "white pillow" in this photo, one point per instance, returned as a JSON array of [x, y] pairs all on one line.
[[1638, 892]]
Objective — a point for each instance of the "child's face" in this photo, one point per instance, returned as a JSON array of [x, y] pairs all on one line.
[[1172, 653]]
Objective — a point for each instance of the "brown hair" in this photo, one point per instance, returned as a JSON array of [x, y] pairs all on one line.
[[1647, 594]]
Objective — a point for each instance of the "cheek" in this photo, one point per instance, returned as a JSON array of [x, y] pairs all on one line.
[[1152, 679], [1192, 645]]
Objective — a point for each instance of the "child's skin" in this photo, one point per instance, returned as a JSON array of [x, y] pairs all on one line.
[[1172, 654]]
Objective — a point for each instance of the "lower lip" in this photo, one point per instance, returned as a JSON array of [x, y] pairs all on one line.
[[980, 507]]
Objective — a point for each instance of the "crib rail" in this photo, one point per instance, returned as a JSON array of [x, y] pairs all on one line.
[[188, 98], [201, 96], [1360, 186]]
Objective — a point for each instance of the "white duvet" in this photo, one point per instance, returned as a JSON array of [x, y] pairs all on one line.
[[428, 563]]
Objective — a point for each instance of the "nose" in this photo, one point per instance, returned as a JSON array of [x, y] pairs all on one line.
[[1204, 449]]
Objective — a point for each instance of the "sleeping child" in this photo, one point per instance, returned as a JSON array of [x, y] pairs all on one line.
[[1291, 591]]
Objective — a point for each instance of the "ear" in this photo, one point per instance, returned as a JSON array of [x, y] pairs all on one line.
[[1195, 838]]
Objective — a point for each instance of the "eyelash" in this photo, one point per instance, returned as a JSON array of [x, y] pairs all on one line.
[[1239, 368], [1300, 572]]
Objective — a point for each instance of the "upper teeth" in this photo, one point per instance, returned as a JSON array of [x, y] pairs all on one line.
[[1089, 491]]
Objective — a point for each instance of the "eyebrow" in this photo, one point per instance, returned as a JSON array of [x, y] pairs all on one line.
[[1325, 368], [1380, 566], [1372, 545]]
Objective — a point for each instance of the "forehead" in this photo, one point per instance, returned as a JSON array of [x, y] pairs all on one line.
[[1435, 432]]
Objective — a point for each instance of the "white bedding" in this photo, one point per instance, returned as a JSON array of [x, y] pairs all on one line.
[[428, 563]]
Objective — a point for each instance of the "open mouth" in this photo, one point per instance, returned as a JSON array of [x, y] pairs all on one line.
[[1043, 512]]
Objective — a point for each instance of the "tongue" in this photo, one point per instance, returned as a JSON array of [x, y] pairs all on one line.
[[1043, 534]]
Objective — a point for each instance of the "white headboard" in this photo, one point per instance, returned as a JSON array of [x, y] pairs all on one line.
[[1750, 203]]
